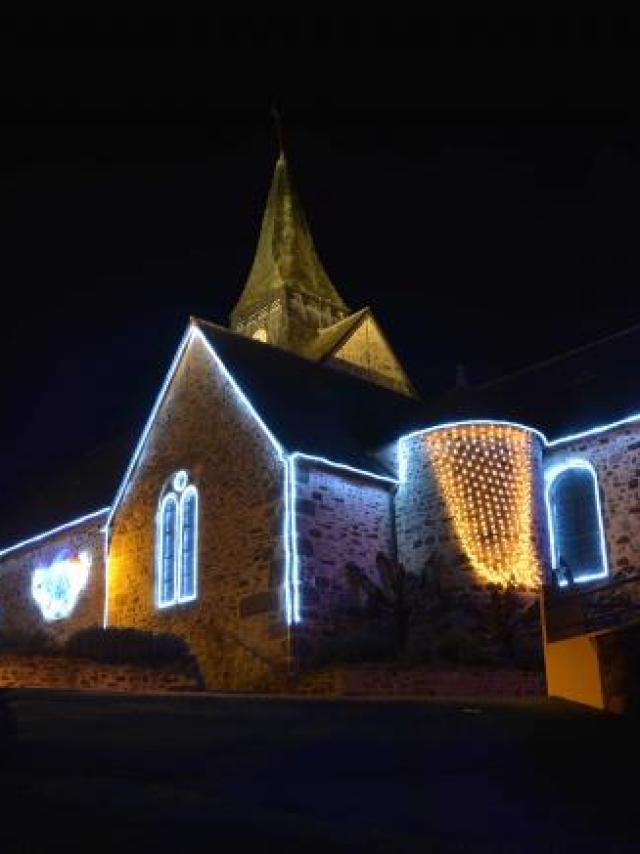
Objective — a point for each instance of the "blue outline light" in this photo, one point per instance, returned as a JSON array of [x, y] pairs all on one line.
[[294, 579], [180, 481], [189, 490], [239, 392], [292, 563], [178, 498], [295, 561], [289, 545], [289, 548], [159, 551], [344, 467], [53, 531], [184, 343], [595, 431], [451, 425], [550, 476]]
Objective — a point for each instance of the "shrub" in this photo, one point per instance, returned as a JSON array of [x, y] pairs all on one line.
[[28, 643], [128, 646], [458, 646], [357, 645]]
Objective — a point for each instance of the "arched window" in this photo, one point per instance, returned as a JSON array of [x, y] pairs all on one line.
[[177, 542], [189, 537], [576, 533], [167, 550]]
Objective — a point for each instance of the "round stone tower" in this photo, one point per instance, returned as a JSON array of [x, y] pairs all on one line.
[[472, 501]]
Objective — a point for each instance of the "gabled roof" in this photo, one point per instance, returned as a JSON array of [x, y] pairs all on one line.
[[286, 255], [594, 384], [339, 416], [312, 409], [328, 340]]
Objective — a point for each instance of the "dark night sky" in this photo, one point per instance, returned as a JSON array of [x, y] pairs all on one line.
[[476, 181]]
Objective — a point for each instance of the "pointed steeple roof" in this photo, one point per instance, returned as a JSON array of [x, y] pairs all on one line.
[[286, 256]]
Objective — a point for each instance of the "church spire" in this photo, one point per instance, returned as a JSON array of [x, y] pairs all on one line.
[[287, 276]]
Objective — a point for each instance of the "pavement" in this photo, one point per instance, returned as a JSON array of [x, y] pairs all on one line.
[[108, 772]]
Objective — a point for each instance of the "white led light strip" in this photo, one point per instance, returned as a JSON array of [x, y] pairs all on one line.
[[288, 460], [53, 531]]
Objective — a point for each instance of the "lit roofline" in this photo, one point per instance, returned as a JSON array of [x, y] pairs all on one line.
[[450, 425], [548, 443], [295, 553], [471, 422], [595, 431], [343, 466], [184, 343], [50, 533], [289, 461]]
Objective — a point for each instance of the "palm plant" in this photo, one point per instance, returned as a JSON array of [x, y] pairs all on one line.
[[395, 595]]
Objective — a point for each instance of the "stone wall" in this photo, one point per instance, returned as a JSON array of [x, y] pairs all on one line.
[[341, 518], [428, 526], [615, 455], [366, 353], [19, 671], [236, 625], [18, 609], [421, 682]]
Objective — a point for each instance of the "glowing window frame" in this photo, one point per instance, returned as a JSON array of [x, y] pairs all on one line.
[[172, 498], [178, 498], [550, 476], [288, 461], [187, 492]]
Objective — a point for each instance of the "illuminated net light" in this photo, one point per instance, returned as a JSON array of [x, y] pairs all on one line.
[[485, 475]]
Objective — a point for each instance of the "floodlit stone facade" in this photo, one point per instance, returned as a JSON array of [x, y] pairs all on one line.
[[615, 456], [366, 353], [19, 611], [431, 525], [341, 519], [330, 501], [235, 625]]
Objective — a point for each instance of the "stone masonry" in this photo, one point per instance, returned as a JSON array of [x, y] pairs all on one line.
[[615, 455], [425, 526], [18, 609], [236, 625], [341, 518]]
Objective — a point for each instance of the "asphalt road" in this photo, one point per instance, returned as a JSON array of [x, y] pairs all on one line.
[[97, 772]]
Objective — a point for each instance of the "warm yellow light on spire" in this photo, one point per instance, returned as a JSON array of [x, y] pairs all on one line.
[[484, 472]]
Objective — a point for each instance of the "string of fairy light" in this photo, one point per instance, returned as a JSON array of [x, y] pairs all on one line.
[[485, 475]]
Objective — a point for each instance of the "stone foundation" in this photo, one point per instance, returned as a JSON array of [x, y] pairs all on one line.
[[392, 682], [21, 671]]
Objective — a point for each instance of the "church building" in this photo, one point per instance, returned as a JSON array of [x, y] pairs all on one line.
[[290, 446]]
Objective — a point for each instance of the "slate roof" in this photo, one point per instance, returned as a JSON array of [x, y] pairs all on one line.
[[315, 409], [592, 385], [318, 410]]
